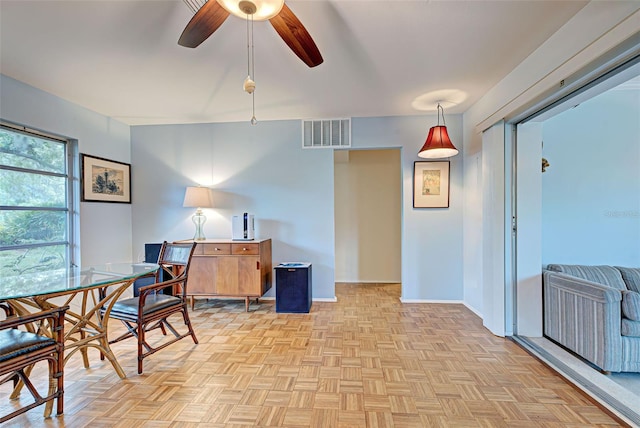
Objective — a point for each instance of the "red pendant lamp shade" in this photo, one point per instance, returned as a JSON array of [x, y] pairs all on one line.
[[438, 144]]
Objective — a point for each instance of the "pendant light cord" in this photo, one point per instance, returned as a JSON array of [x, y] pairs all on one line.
[[443, 122], [253, 63]]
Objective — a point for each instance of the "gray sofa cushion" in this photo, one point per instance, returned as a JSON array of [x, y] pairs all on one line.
[[630, 328], [631, 277], [631, 305], [606, 275]]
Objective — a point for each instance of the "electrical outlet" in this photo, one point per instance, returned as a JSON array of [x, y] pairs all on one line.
[[562, 83]]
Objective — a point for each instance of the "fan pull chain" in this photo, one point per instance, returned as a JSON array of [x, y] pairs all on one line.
[[248, 49]]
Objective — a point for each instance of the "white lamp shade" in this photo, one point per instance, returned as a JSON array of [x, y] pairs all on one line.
[[265, 9], [198, 197]]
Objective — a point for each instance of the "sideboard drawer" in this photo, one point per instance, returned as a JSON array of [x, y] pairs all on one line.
[[245, 249], [215, 249]]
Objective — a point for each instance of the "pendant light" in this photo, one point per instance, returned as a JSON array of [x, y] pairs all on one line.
[[438, 144]]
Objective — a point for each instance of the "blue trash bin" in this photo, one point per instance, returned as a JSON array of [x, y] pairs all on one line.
[[293, 287]]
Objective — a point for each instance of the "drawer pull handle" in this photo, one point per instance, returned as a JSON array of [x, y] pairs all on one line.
[[244, 248], [217, 249]]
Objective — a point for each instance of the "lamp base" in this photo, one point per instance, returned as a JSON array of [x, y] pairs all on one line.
[[199, 220]]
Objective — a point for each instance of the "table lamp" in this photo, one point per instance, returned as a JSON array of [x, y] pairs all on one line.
[[198, 197]]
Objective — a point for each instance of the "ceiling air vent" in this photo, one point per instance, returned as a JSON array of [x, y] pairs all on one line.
[[326, 133]]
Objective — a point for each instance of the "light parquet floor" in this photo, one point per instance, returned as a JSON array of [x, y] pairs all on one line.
[[366, 361]]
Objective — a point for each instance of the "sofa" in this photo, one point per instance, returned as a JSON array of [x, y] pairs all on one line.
[[594, 311]]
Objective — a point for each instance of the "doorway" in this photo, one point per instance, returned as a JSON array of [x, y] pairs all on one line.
[[368, 215], [583, 209]]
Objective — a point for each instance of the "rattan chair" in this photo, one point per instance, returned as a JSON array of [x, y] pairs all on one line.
[[20, 349], [151, 308]]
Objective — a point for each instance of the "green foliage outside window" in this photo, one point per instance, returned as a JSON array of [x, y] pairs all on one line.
[[33, 196]]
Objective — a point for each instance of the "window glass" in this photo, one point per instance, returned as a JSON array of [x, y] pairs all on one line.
[[31, 152], [34, 206], [26, 189]]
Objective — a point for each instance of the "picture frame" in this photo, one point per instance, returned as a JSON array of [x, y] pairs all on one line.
[[104, 180], [431, 184]]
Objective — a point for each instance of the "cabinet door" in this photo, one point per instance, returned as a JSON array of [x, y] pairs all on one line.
[[238, 276], [249, 278], [203, 275], [227, 278]]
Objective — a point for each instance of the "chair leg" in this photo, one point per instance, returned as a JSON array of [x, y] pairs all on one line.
[[53, 369], [187, 322], [141, 343], [60, 381]]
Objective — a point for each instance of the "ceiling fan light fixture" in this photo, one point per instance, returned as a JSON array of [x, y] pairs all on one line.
[[264, 9]]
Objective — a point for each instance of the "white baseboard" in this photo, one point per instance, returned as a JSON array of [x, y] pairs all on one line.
[[368, 282], [315, 299], [453, 302]]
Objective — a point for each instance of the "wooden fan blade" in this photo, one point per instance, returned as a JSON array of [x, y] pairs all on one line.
[[206, 20], [296, 36]]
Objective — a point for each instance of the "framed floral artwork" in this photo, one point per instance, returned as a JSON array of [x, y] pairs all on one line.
[[431, 184]]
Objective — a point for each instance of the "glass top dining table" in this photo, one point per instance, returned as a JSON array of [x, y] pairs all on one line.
[[64, 281], [90, 292]]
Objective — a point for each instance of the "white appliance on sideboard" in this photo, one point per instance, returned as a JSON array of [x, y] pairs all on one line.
[[242, 227]]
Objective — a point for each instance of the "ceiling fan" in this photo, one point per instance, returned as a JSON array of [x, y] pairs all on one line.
[[214, 12]]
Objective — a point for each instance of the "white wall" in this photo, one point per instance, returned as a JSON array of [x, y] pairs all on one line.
[[368, 206], [105, 228], [259, 169], [591, 191], [263, 170], [592, 32]]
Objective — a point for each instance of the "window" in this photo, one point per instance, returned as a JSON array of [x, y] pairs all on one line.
[[35, 203]]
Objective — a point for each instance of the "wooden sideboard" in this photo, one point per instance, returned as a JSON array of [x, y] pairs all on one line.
[[227, 268]]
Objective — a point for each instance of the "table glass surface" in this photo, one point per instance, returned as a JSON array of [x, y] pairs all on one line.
[[68, 280]]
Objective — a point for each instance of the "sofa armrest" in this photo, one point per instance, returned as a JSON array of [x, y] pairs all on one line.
[[584, 317]]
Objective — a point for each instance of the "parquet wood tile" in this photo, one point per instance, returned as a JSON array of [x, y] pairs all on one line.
[[365, 361]]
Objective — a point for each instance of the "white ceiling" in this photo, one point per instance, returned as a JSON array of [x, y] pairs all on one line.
[[120, 58]]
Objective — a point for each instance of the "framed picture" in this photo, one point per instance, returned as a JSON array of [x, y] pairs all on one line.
[[104, 180], [431, 184]]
